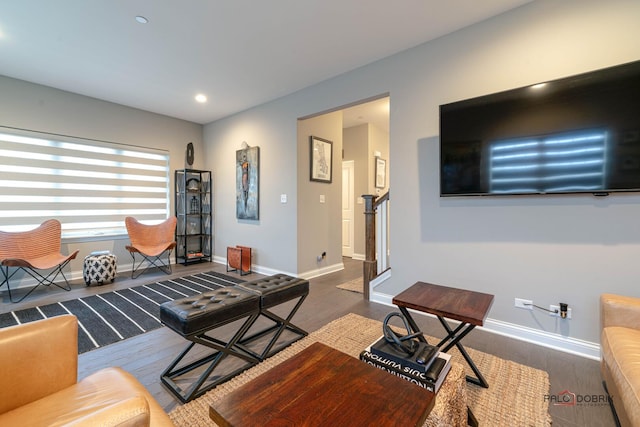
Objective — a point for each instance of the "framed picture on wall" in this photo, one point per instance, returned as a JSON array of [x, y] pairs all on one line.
[[321, 152], [247, 185], [381, 172]]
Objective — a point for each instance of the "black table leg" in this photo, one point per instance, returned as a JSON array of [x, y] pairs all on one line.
[[471, 419], [453, 338]]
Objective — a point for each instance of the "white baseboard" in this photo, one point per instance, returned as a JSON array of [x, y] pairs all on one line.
[[270, 271], [321, 271], [380, 279], [553, 341], [255, 268], [358, 257]]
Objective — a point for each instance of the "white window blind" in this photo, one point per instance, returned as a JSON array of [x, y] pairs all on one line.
[[571, 161], [89, 186]]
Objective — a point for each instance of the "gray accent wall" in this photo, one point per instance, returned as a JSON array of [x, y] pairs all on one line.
[[547, 249], [273, 235]]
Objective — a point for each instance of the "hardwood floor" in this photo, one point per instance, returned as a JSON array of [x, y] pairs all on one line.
[[147, 355]]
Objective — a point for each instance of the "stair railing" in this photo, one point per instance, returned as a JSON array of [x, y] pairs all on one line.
[[376, 211]]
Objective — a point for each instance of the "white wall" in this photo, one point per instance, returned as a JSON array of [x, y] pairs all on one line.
[[44, 109], [548, 249]]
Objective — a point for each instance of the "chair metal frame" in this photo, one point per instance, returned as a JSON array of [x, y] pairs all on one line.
[[34, 250], [151, 242]]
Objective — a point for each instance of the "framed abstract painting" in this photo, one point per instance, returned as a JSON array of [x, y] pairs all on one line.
[[247, 180]]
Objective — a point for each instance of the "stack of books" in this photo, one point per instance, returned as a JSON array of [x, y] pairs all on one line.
[[194, 254], [428, 372]]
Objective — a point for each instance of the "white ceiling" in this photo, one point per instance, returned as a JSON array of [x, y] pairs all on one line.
[[240, 53]]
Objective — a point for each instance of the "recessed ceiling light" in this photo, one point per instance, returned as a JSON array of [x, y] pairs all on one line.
[[141, 19], [538, 86], [201, 98]]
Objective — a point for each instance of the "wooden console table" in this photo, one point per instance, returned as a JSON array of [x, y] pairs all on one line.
[[323, 386], [468, 307]]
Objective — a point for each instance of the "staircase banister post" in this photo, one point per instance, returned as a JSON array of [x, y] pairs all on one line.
[[369, 265]]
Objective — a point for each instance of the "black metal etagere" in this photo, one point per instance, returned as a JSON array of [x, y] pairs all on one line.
[[194, 211]]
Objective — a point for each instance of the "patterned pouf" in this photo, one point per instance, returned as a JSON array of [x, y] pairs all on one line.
[[100, 268]]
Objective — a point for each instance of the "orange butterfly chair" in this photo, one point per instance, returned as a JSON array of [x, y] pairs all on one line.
[[34, 250], [151, 242]]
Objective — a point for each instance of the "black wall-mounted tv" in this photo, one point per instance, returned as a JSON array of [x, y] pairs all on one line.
[[579, 134]]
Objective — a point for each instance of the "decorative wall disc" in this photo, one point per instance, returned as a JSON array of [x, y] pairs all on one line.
[[190, 154]]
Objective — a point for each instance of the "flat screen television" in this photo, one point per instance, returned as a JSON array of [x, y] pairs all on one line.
[[579, 134]]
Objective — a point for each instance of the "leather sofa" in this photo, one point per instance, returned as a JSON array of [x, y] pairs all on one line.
[[38, 368], [620, 346]]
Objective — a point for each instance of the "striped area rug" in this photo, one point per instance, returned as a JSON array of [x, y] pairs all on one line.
[[113, 316]]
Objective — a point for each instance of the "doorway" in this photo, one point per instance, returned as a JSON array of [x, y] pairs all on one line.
[[320, 228], [348, 209], [365, 137]]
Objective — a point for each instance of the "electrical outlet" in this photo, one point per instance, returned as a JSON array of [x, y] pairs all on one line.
[[554, 310], [524, 303]]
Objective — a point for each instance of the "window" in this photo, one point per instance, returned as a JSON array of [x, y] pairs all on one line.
[[571, 161], [89, 186]]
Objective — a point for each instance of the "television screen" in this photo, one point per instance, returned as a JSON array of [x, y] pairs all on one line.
[[579, 134]]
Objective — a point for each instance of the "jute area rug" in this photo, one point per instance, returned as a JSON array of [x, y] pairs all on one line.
[[515, 396], [354, 285]]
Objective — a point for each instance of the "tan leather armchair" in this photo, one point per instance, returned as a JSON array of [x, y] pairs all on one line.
[[38, 367], [620, 346]]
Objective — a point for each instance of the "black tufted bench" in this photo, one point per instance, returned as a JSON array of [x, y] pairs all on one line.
[[193, 317], [197, 318], [274, 291]]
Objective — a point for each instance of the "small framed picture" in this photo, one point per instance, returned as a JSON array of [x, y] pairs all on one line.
[[381, 172], [321, 157]]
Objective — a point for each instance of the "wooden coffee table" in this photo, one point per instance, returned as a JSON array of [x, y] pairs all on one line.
[[468, 307], [322, 386]]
